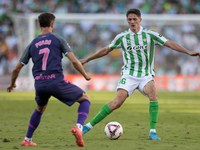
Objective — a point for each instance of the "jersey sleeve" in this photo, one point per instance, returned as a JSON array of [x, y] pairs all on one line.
[[158, 38], [65, 48], [25, 56], [116, 43]]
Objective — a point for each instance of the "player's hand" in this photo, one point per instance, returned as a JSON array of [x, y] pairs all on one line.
[[88, 76], [83, 61], [10, 87], [194, 54]]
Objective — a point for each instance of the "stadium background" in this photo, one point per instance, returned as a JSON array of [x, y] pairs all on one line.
[[174, 71]]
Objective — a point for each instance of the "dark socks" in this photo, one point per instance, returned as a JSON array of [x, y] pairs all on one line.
[[34, 122], [83, 111]]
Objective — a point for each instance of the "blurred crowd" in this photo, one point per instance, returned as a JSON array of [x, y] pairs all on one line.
[[102, 6], [87, 37]]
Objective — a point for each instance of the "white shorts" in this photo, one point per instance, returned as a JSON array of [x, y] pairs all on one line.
[[130, 83]]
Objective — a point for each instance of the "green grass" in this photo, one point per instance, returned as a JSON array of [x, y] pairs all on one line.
[[178, 123]]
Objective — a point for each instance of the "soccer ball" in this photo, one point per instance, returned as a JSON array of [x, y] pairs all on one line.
[[113, 130]]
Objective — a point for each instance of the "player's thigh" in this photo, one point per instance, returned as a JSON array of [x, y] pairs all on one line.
[[144, 85], [128, 83], [150, 90], [67, 92], [42, 95]]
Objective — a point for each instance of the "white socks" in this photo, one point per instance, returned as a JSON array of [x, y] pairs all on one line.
[[152, 130], [28, 139], [89, 125], [79, 126]]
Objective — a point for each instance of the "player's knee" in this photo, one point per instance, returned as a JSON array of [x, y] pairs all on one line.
[[86, 96], [40, 109], [153, 96]]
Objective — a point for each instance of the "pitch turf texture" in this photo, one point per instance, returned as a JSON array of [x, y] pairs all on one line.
[[178, 123]]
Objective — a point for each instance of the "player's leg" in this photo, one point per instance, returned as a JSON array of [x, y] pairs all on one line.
[[126, 87], [33, 124], [150, 90], [69, 93], [83, 111], [42, 100], [107, 109]]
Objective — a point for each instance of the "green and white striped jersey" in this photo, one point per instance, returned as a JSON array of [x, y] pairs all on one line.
[[138, 50]]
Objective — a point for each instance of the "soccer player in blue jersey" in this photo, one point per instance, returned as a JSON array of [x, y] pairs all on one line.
[[137, 44], [46, 52]]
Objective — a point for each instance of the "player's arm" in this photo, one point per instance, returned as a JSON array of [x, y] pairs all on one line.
[[102, 52], [179, 48], [77, 64], [14, 76]]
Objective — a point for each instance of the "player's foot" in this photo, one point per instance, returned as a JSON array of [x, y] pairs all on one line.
[[86, 129], [78, 135], [25, 143], [153, 136]]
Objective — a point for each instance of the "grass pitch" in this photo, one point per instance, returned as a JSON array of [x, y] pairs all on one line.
[[178, 123]]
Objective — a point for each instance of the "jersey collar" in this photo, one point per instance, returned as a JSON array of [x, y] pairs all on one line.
[[139, 32]]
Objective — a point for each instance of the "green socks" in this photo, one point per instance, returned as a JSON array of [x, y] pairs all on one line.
[[153, 113], [105, 110]]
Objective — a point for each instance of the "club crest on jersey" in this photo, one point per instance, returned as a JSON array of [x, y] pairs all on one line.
[[128, 41], [144, 39], [138, 47]]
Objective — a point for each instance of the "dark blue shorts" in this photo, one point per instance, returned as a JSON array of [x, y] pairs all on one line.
[[62, 89]]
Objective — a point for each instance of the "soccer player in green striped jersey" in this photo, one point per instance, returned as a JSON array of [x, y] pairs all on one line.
[[137, 44]]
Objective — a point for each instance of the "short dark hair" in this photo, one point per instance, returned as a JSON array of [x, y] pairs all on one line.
[[45, 19], [133, 11]]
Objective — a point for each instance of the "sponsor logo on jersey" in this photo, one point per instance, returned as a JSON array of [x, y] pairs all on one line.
[[138, 47]]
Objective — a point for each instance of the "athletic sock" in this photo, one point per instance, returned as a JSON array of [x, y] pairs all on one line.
[[83, 111], [105, 110], [80, 126], [153, 113], [28, 139], [89, 125], [34, 122], [152, 130]]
